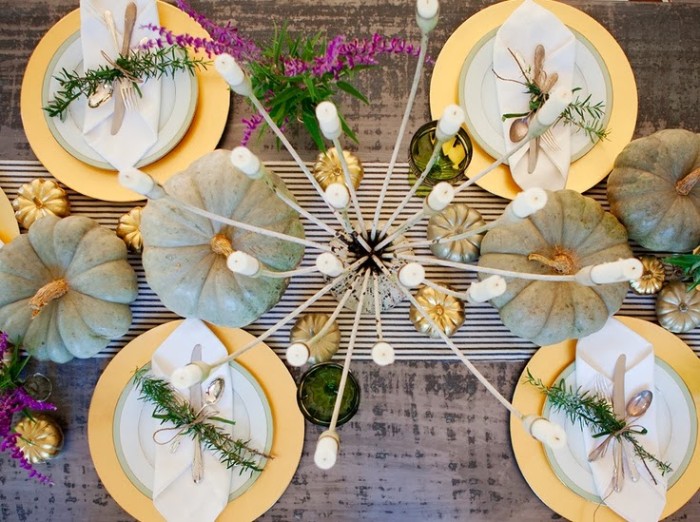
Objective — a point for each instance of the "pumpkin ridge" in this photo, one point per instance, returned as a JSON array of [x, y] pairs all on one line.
[[591, 231]]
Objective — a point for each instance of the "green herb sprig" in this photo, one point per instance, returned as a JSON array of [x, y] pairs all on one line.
[[172, 409], [595, 412], [157, 63], [690, 265]]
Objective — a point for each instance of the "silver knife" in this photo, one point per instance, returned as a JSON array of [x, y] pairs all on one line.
[[196, 403], [119, 105], [619, 406]]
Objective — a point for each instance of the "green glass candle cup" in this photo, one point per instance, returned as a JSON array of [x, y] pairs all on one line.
[[318, 389], [452, 161]]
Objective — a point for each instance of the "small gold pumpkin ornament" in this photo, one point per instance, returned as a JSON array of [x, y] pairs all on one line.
[[306, 327], [39, 198], [454, 220], [40, 438], [129, 229], [677, 309], [446, 311], [328, 169], [653, 276]]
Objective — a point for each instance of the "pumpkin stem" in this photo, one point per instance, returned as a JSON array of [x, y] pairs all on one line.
[[686, 184], [220, 244], [46, 294], [562, 262]]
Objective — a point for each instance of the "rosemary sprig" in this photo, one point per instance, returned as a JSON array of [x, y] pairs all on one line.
[[138, 64], [173, 409], [690, 265], [595, 412]]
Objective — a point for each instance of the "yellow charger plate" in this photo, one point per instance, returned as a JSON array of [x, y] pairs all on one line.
[[202, 135], [9, 229], [598, 162], [272, 376], [547, 364]]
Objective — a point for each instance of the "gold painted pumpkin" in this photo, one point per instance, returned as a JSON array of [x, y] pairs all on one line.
[[129, 229], [677, 309], [65, 288], [184, 254], [570, 232], [454, 220], [446, 311], [40, 438], [307, 326], [653, 276], [654, 190], [328, 169], [39, 198]]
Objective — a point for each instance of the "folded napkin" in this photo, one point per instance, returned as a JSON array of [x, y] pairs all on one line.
[[139, 130], [528, 26], [175, 495], [595, 357]]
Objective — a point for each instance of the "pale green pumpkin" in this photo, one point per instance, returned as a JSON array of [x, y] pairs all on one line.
[[65, 288], [185, 255], [570, 232], [654, 190]]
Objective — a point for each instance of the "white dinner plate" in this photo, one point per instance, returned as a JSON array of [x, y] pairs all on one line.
[[676, 422], [134, 426], [478, 97], [177, 106]]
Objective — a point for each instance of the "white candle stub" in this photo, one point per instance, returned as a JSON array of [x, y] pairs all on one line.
[[247, 162], [617, 271], [297, 354], [186, 376], [383, 353], [528, 202], [489, 288], [449, 123], [329, 265], [337, 195], [442, 195], [427, 14], [136, 180], [411, 275], [242, 263], [326, 451], [557, 102], [545, 431], [230, 71], [328, 120]]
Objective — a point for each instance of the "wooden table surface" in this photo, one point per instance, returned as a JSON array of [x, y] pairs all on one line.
[[429, 443]]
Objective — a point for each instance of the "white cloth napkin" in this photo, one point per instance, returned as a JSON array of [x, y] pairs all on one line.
[[528, 26], [139, 130], [596, 356], [175, 495]]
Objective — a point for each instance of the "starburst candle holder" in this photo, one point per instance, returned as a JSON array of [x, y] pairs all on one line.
[[370, 267]]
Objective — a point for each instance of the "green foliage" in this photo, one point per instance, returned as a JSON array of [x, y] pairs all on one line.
[[690, 265]]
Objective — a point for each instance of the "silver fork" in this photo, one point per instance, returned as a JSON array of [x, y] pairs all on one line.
[[126, 87], [548, 138]]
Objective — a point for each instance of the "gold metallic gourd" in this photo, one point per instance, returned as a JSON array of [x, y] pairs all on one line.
[[446, 311], [653, 276], [39, 198], [456, 219], [677, 309], [328, 169], [129, 229], [309, 325], [40, 438]]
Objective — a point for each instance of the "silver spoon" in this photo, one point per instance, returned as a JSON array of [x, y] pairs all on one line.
[[211, 396], [636, 407], [518, 129]]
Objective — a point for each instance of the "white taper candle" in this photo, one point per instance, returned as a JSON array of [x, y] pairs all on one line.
[[185, 376], [326, 450], [328, 120], [528, 202], [617, 271], [489, 288], [247, 162], [557, 102], [427, 15], [442, 195], [449, 123], [140, 182], [545, 431], [329, 265], [337, 195], [383, 353], [236, 78], [411, 275], [297, 354], [242, 263]]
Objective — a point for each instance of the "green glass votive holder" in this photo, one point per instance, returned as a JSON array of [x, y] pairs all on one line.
[[452, 161], [318, 389]]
